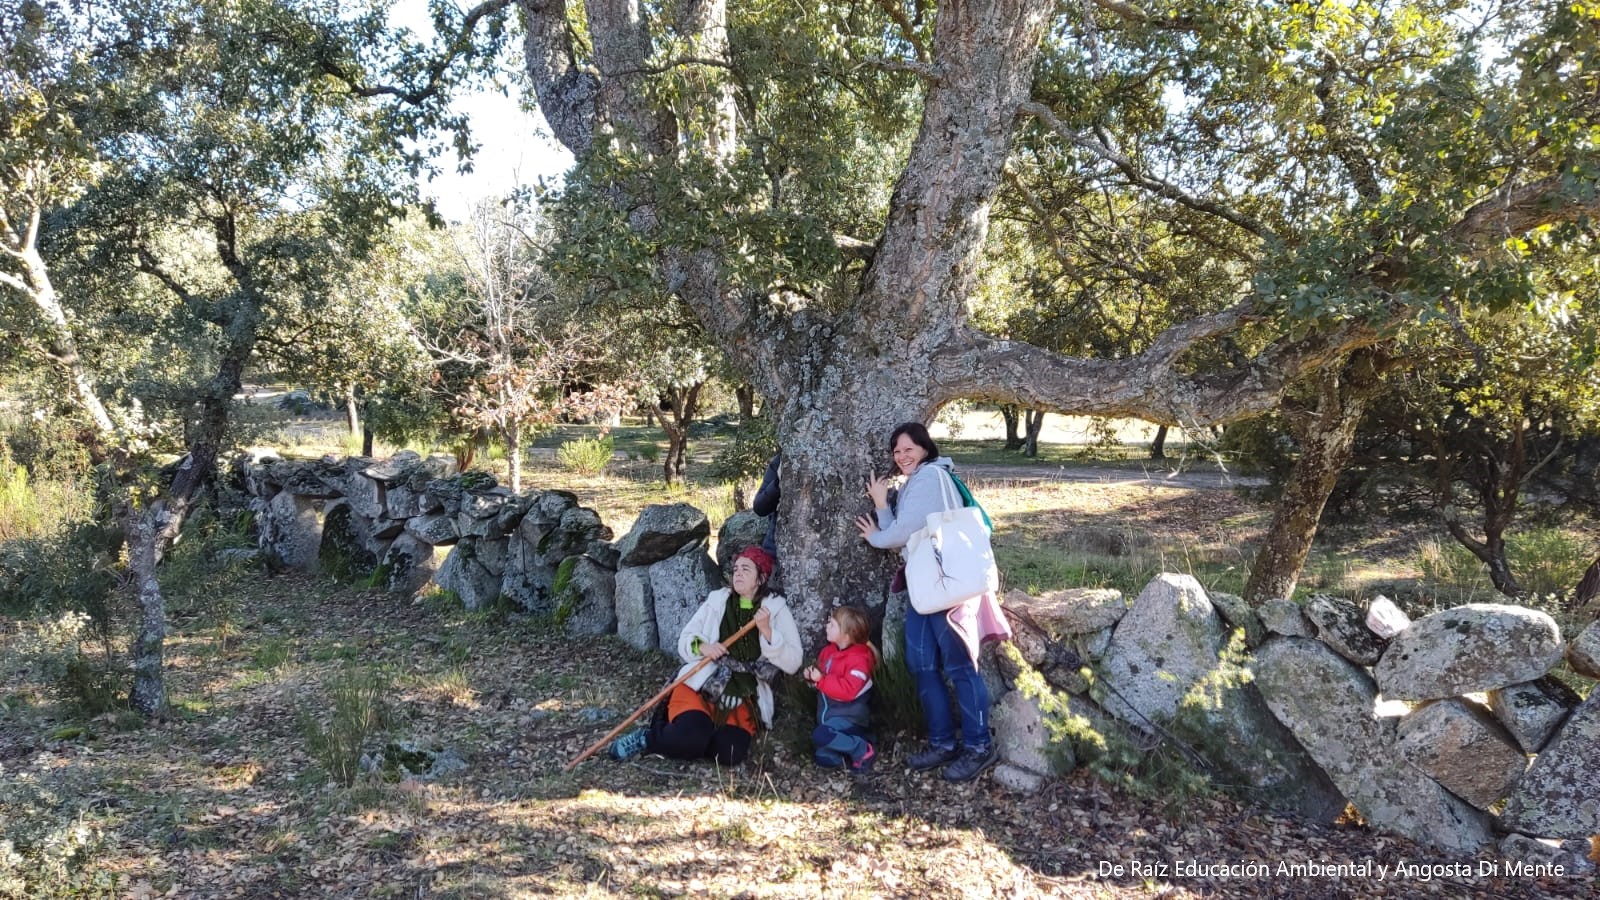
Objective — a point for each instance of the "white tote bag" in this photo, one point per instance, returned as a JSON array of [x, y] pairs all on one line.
[[950, 561]]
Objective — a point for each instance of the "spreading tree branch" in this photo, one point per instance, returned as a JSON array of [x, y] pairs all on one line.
[[1158, 186]]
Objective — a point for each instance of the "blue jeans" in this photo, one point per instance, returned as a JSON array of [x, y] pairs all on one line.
[[838, 742], [934, 652]]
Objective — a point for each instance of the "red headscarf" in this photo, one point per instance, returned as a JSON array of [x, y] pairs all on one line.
[[762, 559]]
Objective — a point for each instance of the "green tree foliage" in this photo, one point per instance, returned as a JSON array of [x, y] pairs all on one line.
[[238, 162]]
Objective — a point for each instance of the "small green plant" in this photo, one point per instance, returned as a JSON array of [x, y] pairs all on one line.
[[270, 654], [73, 655], [894, 701], [586, 456], [50, 844], [1157, 772], [359, 714]]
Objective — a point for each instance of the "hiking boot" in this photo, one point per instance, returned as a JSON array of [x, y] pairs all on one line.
[[863, 766], [931, 758], [971, 764], [630, 745]]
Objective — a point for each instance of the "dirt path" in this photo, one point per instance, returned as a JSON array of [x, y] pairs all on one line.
[[1108, 476]]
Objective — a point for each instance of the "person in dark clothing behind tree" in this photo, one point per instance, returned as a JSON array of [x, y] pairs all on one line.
[[766, 503]]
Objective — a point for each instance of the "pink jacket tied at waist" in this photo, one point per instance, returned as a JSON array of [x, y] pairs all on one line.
[[979, 621]]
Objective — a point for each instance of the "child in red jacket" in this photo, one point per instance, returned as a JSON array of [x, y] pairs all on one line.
[[843, 679]]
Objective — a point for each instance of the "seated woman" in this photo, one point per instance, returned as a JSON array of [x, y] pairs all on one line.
[[941, 649], [714, 714]]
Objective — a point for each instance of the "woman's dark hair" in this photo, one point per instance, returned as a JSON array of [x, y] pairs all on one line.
[[919, 436]]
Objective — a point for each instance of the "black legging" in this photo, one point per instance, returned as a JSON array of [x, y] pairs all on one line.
[[693, 735]]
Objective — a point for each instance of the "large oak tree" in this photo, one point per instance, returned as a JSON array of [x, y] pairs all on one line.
[[671, 107]]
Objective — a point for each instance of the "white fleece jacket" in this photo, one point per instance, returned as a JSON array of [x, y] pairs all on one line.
[[783, 651]]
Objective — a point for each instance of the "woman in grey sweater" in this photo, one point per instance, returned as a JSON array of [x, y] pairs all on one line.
[[935, 650]]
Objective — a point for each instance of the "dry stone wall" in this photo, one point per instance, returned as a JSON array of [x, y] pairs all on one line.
[[1428, 732]]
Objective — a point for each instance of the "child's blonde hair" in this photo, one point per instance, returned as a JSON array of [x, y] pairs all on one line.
[[854, 624]]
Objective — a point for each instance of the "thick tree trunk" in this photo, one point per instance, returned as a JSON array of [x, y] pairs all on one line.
[[829, 452], [1035, 424], [1158, 446], [1012, 415], [366, 441], [158, 525], [1327, 439]]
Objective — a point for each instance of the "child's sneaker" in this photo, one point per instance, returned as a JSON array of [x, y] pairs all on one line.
[[630, 745], [863, 766], [827, 759]]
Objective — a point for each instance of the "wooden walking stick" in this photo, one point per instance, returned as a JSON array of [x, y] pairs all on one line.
[[653, 701]]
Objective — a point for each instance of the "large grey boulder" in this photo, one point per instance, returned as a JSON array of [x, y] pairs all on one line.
[[1237, 613], [1287, 618], [479, 513], [1477, 647], [1163, 665], [1343, 626], [539, 546], [302, 481], [1533, 710], [1327, 701], [579, 530], [1044, 645], [1572, 856], [365, 495], [740, 530], [395, 469], [679, 584], [292, 530], [472, 571], [586, 601], [636, 609], [662, 530], [1167, 642], [1463, 748], [1557, 797], [408, 565], [1583, 654], [350, 549], [1023, 739], [437, 529], [1077, 610]]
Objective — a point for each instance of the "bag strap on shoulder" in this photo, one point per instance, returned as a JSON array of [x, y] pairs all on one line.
[[968, 500]]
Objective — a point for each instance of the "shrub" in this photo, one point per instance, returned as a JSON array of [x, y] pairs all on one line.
[[586, 456], [358, 700], [1157, 771], [48, 449], [49, 844], [894, 703], [35, 506], [73, 655]]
